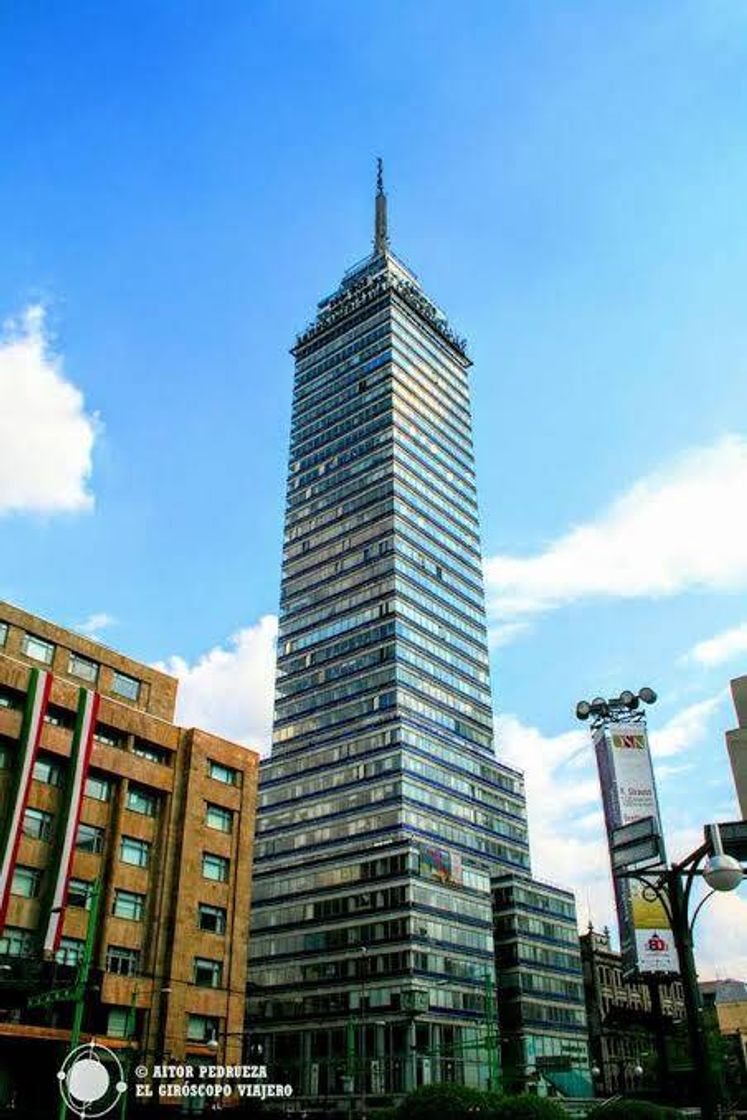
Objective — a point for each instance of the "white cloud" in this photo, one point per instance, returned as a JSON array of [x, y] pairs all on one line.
[[685, 729], [720, 648], [95, 623], [566, 826], [675, 530], [229, 689], [720, 942], [566, 832], [505, 633], [45, 433]]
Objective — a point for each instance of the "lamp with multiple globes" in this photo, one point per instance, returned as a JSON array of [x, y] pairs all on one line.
[[616, 706]]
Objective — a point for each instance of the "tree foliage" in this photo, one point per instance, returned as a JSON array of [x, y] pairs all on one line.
[[443, 1102], [457, 1102], [632, 1110]]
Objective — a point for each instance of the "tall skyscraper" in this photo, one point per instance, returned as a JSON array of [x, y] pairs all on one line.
[[383, 810]]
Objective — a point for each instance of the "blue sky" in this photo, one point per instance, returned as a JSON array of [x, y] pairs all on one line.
[[182, 182]]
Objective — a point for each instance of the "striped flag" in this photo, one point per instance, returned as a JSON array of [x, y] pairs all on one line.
[[37, 698], [85, 724]]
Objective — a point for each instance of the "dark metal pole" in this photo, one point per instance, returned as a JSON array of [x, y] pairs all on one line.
[[683, 939], [660, 1042]]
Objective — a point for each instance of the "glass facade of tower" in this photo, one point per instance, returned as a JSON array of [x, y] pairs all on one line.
[[383, 809]]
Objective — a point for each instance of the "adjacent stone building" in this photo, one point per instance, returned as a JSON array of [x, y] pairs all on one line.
[[635, 1027], [164, 838]]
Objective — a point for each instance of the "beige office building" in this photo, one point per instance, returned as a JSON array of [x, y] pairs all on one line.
[[736, 742], [162, 832]]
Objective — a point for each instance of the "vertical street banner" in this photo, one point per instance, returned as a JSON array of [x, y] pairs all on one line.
[[37, 698], [80, 757], [626, 776]]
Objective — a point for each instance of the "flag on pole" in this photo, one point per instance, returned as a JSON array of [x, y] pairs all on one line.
[[85, 724], [37, 698]]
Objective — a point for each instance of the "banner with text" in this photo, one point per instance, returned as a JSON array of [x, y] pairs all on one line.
[[626, 776]]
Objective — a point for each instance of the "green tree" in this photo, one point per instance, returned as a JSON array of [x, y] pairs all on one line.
[[443, 1102], [526, 1107], [632, 1110]]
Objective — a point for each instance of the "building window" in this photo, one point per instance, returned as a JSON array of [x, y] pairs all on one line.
[[79, 893], [125, 686], [89, 838], [109, 737], [201, 1028], [122, 961], [128, 904], [3, 633], [207, 973], [48, 770], [17, 942], [211, 919], [58, 717], [70, 950], [98, 788], [117, 1022], [151, 752], [218, 817], [221, 773], [83, 667], [10, 698], [26, 881], [38, 649], [215, 867], [134, 851], [38, 824], [142, 801]]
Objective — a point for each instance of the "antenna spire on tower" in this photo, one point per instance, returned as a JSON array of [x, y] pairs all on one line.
[[381, 235]]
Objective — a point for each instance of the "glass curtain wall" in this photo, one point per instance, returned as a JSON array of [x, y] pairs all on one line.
[[383, 809]]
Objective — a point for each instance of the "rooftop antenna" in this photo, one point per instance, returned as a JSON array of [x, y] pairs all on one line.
[[381, 236]]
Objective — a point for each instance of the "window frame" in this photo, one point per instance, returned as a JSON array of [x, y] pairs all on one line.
[[46, 821], [150, 799], [210, 1024], [222, 814], [136, 843], [55, 770], [233, 778], [34, 876], [97, 835], [89, 677], [212, 968], [104, 782], [218, 912], [70, 951], [30, 639], [136, 899], [122, 953], [81, 888], [221, 862], [119, 688]]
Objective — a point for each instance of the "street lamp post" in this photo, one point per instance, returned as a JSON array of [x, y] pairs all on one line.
[[624, 1065], [672, 885]]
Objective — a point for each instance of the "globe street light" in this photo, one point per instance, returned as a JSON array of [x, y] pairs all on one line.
[[721, 872]]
